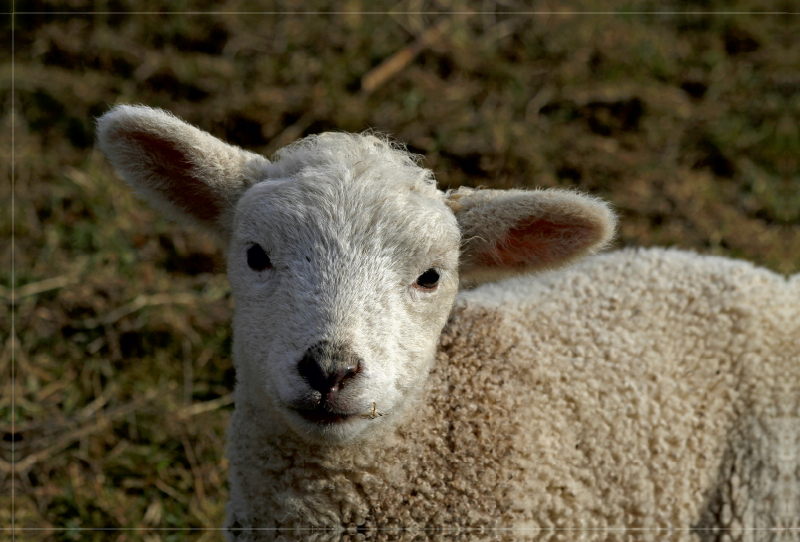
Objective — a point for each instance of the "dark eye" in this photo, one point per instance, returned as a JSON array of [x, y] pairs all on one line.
[[257, 259], [428, 280]]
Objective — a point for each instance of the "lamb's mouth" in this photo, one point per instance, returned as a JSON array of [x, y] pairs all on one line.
[[324, 416]]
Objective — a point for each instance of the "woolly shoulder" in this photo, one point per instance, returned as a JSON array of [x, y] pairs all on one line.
[[637, 348], [670, 273], [662, 308]]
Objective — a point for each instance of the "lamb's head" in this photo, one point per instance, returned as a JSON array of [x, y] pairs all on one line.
[[343, 266], [343, 257]]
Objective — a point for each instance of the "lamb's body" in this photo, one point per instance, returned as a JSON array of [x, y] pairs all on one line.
[[639, 390], [619, 393]]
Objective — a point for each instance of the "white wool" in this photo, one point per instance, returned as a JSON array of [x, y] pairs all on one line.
[[348, 156]]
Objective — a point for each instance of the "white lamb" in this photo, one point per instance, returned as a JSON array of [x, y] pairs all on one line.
[[644, 389]]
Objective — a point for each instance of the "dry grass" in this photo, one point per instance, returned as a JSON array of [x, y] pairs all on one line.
[[687, 123]]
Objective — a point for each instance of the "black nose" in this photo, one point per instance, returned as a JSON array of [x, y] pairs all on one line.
[[327, 368]]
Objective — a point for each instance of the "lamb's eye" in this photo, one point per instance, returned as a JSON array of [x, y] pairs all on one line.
[[428, 280], [257, 259]]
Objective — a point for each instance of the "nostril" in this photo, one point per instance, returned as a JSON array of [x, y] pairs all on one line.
[[340, 377], [312, 373]]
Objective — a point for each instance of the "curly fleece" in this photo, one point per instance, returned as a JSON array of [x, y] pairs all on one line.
[[640, 390]]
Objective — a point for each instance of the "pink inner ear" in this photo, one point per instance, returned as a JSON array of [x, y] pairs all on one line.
[[536, 242], [182, 188]]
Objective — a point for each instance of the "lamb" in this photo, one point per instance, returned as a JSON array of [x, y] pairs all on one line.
[[641, 389]]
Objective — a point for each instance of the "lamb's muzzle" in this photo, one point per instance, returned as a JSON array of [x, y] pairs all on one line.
[[328, 368]]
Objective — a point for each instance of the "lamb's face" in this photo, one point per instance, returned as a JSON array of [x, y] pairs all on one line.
[[342, 287]]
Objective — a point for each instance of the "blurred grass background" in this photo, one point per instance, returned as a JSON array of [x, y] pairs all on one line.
[[687, 123]]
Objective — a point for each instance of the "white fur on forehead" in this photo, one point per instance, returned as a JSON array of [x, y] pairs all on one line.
[[368, 157]]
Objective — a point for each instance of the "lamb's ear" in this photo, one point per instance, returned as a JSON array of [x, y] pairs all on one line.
[[510, 232], [182, 171]]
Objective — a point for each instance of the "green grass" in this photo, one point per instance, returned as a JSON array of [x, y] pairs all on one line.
[[688, 124]]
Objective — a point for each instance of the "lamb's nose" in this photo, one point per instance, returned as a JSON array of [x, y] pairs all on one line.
[[327, 368]]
